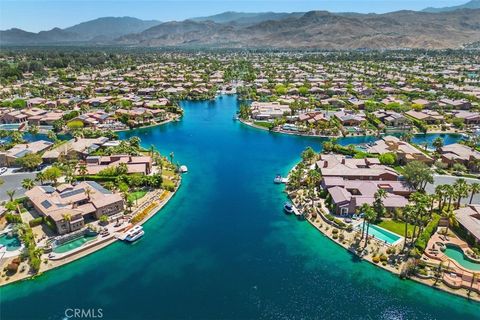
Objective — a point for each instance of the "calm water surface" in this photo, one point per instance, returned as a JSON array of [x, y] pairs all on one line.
[[222, 248]]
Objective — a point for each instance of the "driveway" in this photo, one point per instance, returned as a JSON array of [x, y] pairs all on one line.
[[440, 179], [13, 181]]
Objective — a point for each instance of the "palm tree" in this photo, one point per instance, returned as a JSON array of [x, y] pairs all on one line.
[[450, 191], [82, 170], [370, 215], [379, 196], [67, 217], [88, 192], [11, 194], [363, 208], [461, 190], [41, 177], [440, 193], [438, 143], [172, 156], [407, 215], [28, 184], [474, 189]]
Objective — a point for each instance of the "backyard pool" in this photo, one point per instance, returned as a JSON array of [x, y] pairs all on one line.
[[457, 254], [73, 244], [12, 243], [382, 234]]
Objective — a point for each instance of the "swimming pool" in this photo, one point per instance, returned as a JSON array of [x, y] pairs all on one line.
[[73, 244], [382, 234], [10, 126], [12, 243], [457, 254]]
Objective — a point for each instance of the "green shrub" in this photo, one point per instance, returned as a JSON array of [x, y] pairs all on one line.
[[36, 222], [376, 259], [13, 218], [329, 217], [422, 240]]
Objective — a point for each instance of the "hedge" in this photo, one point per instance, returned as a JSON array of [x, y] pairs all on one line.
[[36, 222], [422, 240]]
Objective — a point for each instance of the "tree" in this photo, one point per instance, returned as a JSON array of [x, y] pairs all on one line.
[[388, 158], [363, 208], [378, 206], [53, 174], [474, 189], [462, 189], [438, 143], [88, 192], [418, 174], [30, 161], [370, 216], [407, 215], [308, 154], [11, 194], [27, 184], [172, 156], [41, 177], [82, 170]]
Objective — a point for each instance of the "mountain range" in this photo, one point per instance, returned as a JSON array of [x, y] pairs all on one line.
[[473, 4], [451, 27]]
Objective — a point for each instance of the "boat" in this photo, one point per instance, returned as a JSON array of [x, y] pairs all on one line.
[[183, 169], [134, 234], [235, 117], [288, 207], [278, 179]]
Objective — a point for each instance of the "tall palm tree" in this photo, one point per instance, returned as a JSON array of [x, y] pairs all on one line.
[[11, 194], [370, 215], [82, 170], [450, 191], [172, 156], [28, 183], [474, 189], [88, 192], [461, 189], [407, 215], [41, 177], [440, 193], [379, 196], [364, 207], [475, 276]]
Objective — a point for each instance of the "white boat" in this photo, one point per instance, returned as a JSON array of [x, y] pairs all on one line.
[[288, 207], [183, 169], [134, 234]]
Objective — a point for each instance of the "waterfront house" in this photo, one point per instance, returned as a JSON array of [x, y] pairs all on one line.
[[78, 148], [8, 158], [349, 195], [69, 206], [391, 118], [334, 165], [134, 164], [469, 219], [269, 110], [459, 153], [427, 116], [404, 151], [350, 118]]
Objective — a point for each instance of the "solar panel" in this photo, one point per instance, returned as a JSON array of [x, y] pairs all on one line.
[[71, 193], [98, 187], [48, 189], [46, 204]]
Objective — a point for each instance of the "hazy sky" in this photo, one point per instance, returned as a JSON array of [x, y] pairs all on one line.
[[36, 15]]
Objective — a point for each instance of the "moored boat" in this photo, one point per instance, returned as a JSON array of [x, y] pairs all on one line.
[[288, 207], [134, 234]]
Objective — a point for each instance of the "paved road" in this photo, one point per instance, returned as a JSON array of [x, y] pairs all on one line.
[[13, 181], [451, 180]]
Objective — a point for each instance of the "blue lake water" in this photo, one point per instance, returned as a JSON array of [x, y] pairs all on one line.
[[223, 248]]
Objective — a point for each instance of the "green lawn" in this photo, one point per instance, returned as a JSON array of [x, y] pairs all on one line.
[[397, 227], [136, 195]]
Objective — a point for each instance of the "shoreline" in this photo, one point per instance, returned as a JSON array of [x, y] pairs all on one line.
[[251, 124], [54, 264], [426, 282], [151, 125]]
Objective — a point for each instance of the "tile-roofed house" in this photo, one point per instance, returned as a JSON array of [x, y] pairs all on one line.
[[8, 158], [459, 153], [77, 148], [332, 165], [134, 164], [86, 199], [469, 218], [404, 151], [350, 118], [349, 195], [427, 116]]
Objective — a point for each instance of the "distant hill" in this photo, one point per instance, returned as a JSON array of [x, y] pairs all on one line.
[[101, 29], [310, 30], [473, 4], [247, 17], [322, 29]]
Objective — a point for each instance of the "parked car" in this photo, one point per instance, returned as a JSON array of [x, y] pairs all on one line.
[[3, 170]]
